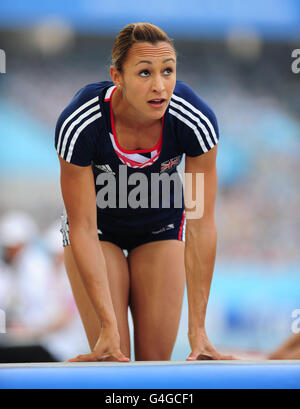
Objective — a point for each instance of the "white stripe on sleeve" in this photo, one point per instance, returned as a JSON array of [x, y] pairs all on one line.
[[77, 133], [192, 126], [73, 124], [197, 120], [81, 108], [196, 111]]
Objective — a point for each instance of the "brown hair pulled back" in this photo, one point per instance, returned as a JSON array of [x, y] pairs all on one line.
[[136, 33]]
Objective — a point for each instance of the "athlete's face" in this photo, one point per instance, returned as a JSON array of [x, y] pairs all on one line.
[[148, 78]]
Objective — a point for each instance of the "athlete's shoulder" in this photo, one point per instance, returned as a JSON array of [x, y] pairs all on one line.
[[195, 118], [86, 98], [90, 91], [78, 125]]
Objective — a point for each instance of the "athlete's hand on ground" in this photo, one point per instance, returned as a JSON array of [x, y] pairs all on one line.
[[202, 349], [107, 348]]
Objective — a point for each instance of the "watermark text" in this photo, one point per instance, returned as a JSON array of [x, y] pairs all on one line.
[[2, 62], [159, 190], [295, 327], [2, 322], [296, 62]]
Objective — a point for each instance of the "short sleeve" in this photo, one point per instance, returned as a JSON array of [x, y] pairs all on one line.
[[198, 126], [76, 131]]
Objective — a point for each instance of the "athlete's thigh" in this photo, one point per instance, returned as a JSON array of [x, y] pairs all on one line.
[[118, 276], [157, 287]]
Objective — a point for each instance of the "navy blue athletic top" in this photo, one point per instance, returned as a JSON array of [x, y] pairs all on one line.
[[85, 136]]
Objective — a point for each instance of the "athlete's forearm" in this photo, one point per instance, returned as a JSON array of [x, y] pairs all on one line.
[[91, 264], [200, 253]]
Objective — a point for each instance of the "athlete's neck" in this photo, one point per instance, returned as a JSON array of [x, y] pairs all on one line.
[[127, 116]]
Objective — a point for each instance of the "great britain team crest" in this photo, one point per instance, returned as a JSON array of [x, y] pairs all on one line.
[[169, 164]]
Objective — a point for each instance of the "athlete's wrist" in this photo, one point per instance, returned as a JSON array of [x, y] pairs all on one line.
[[196, 328], [109, 323]]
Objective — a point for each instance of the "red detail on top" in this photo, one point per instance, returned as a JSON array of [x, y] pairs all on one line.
[[181, 227]]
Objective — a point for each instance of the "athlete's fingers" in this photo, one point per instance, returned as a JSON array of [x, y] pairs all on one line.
[[92, 357], [196, 356], [119, 357], [199, 357], [116, 357], [122, 358], [191, 357], [83, 358]]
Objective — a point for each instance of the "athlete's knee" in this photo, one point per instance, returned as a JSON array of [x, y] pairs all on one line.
[[151, 355], [152, 352]]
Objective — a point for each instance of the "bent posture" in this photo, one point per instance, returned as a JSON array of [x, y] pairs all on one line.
[[142, 122]]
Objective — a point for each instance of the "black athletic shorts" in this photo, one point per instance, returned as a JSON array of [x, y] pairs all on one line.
[[132, 239]]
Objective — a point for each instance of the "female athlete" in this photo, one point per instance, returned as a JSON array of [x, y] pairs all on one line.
[[113, 132]]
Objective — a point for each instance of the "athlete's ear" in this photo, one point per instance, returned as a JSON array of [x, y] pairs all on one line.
[[115, 75]]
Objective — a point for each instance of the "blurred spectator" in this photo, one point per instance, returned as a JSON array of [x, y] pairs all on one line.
[[24, 302], [36, 303]]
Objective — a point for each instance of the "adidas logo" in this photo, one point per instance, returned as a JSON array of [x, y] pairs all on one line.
[[105, 168], [168, 227]]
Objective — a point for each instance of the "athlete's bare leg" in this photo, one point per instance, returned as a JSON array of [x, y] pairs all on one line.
[[118, 276], [157, 288]]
